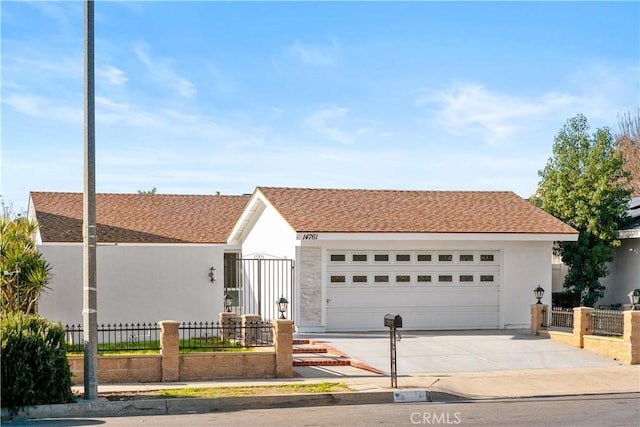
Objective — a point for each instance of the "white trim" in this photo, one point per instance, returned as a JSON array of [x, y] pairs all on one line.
[[634, 233], [535, 237]]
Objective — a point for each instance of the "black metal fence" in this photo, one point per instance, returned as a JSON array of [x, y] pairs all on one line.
[[607, 322], [229, 334], [561, 318], [194, 336], [115, 338]]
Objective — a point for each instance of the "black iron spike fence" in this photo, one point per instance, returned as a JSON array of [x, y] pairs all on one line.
[[229, 334], [607, 322], [193, 336], [561, 318], [117, 337]]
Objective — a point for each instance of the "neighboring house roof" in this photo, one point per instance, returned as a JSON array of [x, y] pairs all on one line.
[[390, 211], [631, 227], [139, 218]]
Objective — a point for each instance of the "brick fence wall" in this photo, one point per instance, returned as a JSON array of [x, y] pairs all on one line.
[[170, 365], [625, 348]]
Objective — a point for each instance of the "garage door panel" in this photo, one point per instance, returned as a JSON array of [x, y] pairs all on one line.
[[371, 319], [412, 297], [430, 289]]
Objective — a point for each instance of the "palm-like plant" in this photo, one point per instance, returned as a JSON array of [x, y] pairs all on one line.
[[24, 274]]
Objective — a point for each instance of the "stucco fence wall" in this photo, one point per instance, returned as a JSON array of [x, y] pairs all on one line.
[[170, 365], [625, 349]]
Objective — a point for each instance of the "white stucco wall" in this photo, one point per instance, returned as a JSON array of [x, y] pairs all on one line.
[[624, 273], [524, 267], [136, 283], [271, 236]]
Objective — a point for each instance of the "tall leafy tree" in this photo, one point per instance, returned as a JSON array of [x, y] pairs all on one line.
[[585, 185], [24, 274]]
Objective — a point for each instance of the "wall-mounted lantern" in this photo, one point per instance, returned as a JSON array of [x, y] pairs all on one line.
[[538, 292], [282, 304], [212, 274], [228, 302]]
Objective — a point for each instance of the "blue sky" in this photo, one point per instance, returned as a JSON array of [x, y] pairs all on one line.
[[199, 97]]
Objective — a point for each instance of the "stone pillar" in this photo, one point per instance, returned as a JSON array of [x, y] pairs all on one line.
[[229, 323], [581, 324], [250, 329], [538, 318], [631, 335], [169, 350], [283, 343]]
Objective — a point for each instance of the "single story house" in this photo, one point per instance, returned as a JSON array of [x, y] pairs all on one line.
[[440, 259], [159, 256]]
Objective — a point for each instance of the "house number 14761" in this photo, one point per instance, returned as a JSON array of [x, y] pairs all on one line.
[[310, 236]]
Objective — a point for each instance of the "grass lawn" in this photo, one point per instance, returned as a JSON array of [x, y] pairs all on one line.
[[323, 387]]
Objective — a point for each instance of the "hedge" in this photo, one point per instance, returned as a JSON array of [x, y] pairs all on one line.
[[35, 370]]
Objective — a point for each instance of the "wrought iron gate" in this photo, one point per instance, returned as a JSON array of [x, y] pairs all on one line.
[[260, 282]]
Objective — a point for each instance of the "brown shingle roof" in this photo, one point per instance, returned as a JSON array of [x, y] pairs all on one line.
[[391, 211], [140, 218]]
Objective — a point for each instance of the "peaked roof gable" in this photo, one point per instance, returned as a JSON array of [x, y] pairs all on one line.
[[139, 218], [395, 211]]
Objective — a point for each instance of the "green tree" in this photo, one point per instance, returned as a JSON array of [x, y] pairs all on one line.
[[24, 274], [585, 185], [152, 191]]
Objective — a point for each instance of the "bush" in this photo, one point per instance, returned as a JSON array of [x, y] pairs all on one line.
[[35, 370], [566, 299]]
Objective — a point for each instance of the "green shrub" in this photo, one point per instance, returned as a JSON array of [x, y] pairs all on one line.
[[35, 370], [565, 299]]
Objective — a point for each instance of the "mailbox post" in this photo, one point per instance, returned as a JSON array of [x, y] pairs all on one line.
[[393, 322]]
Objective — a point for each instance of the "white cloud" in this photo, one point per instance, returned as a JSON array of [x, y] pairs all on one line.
[[599, 91], [319, 122], [470, 108], [112, 75], [42, 107], [315, 54], [161, 70]]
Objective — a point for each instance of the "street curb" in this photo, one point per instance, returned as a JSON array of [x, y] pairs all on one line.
[[175, 406]]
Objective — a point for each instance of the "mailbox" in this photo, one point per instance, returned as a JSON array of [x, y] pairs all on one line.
[[391, 321]]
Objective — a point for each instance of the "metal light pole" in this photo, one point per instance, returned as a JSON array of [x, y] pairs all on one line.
[[89, 240]]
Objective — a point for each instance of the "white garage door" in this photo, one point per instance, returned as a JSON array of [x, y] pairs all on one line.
[[430, 289]]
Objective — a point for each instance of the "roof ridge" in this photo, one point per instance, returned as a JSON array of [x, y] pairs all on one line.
[[384, 190]]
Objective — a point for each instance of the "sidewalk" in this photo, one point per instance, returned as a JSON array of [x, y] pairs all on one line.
[[529, 368], [466, 385]]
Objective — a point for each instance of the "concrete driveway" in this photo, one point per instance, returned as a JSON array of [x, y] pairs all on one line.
[[431, 352]]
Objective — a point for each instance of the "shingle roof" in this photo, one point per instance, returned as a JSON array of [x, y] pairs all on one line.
[[140, 218], [391, 211]]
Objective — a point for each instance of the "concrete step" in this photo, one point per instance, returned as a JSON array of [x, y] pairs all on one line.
[[320, 350], [321, 362]]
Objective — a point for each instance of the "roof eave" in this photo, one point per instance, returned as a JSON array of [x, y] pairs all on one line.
[[532, 237]]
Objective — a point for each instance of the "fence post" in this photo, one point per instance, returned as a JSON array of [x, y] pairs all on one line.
[[283, 343], [169, 350], [631, 335], [581, 324], [538, 318], [229, 321], [250, 325]]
